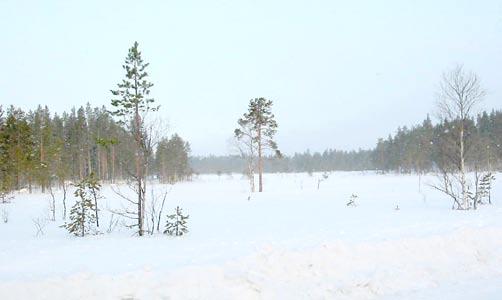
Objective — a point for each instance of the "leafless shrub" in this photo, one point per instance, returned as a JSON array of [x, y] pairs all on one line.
[[129, 211], [156, 209], [40, 224], [323, 177], [114, 221]]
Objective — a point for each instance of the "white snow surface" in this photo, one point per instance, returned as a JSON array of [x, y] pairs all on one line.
[[290, 242]]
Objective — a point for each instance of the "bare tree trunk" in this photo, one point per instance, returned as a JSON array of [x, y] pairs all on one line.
[[53, 203], [161, 210], [139, 171], [251, 176], [476, 195], [64, 187], [139, 182], [81, 166], [96, 207], [140, 199], [260, 162], [83, 220], [143, 200], [99, 166], [42, 158], [113, 164], [89, 163], [463, 181], [419, 181], [104, 168]]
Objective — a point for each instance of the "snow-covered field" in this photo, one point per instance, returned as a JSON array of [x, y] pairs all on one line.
[[290, 242]]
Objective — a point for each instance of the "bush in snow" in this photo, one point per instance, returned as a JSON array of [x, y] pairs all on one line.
[[176, 224], [323, 177], [352, 200], [5, 196], [482, 189], [40, 224], [5, 215], [484, 186], [83, 212]]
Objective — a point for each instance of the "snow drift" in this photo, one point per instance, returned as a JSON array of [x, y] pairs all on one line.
[[339, 270]]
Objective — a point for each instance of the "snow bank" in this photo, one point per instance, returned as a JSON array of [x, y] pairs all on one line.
[[394, 269]]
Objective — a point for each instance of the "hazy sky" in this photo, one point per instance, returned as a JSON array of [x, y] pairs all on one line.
[[341, 73]]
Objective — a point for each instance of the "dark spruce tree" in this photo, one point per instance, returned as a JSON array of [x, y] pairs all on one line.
[[131, 103], [259, 122], [17, 148]]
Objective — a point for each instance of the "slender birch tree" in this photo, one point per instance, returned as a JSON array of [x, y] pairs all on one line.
[[245, 146], [458, 95]]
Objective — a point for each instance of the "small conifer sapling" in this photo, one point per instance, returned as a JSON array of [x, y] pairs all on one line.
[[176, 224], [352, 200], [83, 212]]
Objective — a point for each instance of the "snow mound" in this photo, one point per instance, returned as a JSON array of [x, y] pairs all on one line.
[[396, 269]]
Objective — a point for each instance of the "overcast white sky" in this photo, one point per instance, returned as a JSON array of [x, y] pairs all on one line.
[[341, 73]]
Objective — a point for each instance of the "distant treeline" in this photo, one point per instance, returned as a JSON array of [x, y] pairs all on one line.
[[329, 160], [416, 149], [427, 146]]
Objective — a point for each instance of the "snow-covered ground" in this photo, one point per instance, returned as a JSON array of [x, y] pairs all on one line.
[[290, 242]]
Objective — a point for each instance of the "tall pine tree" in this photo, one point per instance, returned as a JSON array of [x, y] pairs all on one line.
[[263, 126], [131, 103]]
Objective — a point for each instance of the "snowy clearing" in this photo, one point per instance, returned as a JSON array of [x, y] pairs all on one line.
[[290, 242]]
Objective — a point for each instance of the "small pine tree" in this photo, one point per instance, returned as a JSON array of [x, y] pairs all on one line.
[[486, 186], [352, 200], [83, 212], [176, 224]]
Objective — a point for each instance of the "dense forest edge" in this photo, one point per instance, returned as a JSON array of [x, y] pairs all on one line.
[[41, 149]]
